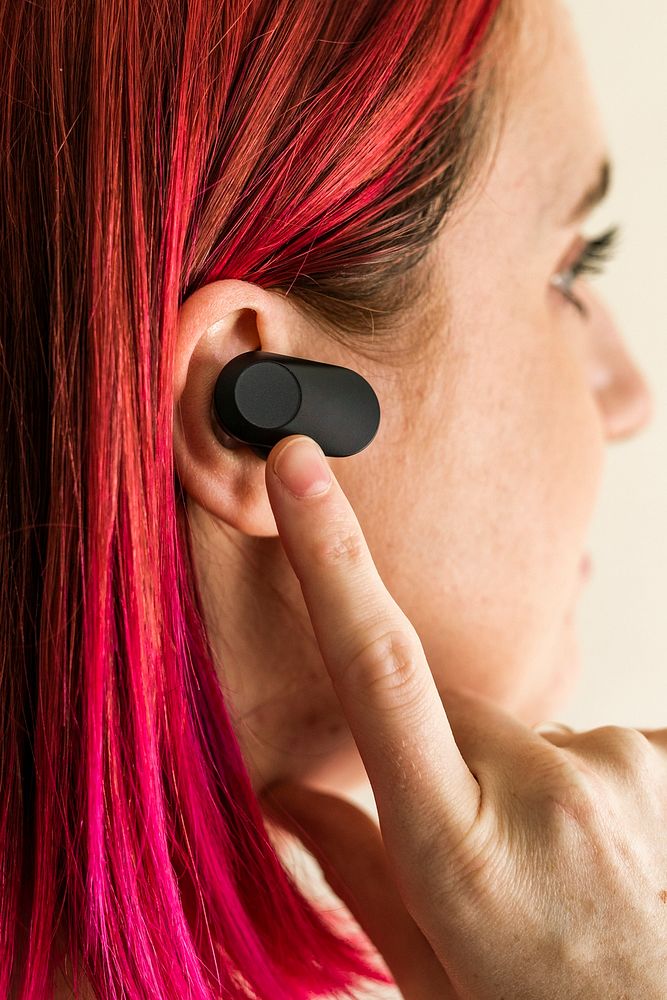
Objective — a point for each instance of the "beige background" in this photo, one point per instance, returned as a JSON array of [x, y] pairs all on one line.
[[622, 614]]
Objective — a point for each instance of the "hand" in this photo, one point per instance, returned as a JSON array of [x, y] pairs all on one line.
[[507, 864]]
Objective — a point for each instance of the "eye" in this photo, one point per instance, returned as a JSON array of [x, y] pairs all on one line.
[[593, 259]]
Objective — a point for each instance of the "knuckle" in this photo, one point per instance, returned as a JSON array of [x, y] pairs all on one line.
[[630, 749], [657, 740], [388, 665], [573, 804], [621, 736], [636, 743], [340, 545], [577, 798]]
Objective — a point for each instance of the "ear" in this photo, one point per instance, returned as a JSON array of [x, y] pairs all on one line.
[[215, 324]]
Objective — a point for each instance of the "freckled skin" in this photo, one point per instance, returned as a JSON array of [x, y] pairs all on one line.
[[477, 493]]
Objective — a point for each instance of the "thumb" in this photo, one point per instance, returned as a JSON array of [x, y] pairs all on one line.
[[347, 845]]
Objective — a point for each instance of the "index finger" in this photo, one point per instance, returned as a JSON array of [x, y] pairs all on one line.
[[372, 651]]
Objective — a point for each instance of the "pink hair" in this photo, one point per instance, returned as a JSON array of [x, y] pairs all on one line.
[[148, 148]]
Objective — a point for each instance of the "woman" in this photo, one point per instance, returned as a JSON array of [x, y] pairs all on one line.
[[387, 186]]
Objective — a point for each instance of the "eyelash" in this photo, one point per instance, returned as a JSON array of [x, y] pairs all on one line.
[[593, 259]]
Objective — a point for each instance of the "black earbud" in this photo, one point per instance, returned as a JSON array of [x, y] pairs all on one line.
[[260, 397]]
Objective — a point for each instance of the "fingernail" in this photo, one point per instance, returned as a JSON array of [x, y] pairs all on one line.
[[302, 467]]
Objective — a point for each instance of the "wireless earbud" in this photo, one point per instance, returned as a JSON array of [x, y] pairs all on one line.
[[260, 397]]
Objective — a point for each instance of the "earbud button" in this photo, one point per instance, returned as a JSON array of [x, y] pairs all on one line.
[[268, 395]]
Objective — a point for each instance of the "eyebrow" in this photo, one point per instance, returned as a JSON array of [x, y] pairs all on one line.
[[593, 195]]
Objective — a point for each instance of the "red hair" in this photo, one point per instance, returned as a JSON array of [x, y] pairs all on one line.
[[146, 149]]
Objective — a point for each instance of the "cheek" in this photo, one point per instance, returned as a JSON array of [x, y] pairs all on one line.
[[481, 536], [524, 451]]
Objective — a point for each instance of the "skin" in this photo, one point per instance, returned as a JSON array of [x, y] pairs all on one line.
[[474, 500], [476, 495]]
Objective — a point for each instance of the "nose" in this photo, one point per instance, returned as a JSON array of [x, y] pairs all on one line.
[[622, 393]]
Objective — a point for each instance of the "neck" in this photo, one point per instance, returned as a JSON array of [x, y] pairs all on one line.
[[286, 714]]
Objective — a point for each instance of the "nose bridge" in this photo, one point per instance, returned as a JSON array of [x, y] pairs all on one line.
[[621, 388]]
